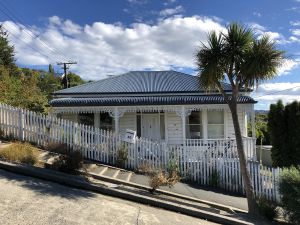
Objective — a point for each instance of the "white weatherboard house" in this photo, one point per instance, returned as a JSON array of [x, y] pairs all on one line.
[[164, 106]]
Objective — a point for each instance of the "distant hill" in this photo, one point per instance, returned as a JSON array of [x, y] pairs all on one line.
[[261, 111]]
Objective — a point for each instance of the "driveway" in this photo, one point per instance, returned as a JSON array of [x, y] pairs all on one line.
[[26, 200]]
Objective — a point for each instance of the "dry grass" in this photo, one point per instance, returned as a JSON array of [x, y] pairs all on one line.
[[20, 152], [158, 179], [145, 169], [161, 178], [57, 148]]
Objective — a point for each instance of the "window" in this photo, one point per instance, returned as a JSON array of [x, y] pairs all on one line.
[[215, 124], [138, 125], [106, 121], [162, 126], [86, 118], [194, 126]]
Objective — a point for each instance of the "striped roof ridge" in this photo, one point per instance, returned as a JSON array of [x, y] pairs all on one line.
[[146, 100]]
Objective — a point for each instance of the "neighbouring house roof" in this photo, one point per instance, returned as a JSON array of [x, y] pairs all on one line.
[[141, 82], [142, 88], [146, 100]]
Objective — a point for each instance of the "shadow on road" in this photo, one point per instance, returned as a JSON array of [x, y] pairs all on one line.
[[44, 187]]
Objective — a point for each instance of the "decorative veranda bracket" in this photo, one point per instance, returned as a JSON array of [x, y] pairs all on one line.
[[151, 108]]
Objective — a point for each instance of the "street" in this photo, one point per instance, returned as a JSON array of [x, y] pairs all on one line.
[[26, 200]]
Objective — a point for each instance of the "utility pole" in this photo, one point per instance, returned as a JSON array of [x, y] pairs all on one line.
[[65, 67]]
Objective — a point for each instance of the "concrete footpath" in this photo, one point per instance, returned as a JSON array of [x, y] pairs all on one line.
[[113, 174], [121, 176], [199, 192]]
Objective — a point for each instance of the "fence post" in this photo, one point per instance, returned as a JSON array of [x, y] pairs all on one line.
[[75, 135], [21, 124]]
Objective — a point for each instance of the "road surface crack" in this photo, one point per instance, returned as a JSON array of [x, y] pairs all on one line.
[[138, 216]]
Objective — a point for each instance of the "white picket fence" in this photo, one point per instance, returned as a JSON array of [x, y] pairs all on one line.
[[207, 162]]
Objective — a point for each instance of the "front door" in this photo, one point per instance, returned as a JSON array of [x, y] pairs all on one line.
[[150, 126]]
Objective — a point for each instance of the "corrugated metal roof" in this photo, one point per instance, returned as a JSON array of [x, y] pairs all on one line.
[[146, 100], [142, 82]]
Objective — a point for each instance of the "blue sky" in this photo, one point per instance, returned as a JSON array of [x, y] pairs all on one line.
[[112, 37]]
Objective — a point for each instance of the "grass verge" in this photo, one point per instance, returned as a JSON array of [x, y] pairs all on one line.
[[20, 152]]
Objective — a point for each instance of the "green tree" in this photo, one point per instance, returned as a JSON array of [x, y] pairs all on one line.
[[30, 95], [261, 128], [241, 59], [9, 86], [6, 51], [49, 83], [284, 129], [74, 80], [51, 69], [22, 90]]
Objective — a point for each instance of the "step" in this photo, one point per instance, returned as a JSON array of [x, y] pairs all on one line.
[[126, 176], [90, 166], [99, 170], [116, 174], [109, 172]]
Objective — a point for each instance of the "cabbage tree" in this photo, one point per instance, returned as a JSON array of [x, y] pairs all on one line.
[[243, 60]]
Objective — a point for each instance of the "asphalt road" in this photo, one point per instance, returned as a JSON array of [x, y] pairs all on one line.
[[26, 200]]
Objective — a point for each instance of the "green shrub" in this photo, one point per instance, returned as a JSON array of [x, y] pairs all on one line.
[[289, 188], [69, 162], [57, 148], [1, 133], [20, 152], [267, 208], [173, 172]]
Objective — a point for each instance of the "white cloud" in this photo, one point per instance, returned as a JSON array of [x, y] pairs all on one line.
[[295, 32], [140, 2], [257, 14], [169, 2], [171, 11], [293, 39], [261, 31], [257, 27], [295, 23], [102, 48], [287, 66], [269, 93]]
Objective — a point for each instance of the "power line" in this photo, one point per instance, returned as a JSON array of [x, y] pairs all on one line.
[[14, 18], [33, 48], [278, 91], [7, 28]]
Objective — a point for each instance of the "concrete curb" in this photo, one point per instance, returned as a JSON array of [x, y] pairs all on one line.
[[74, 181]]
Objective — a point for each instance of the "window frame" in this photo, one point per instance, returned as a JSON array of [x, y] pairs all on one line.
[[222, 125], [188, 126]]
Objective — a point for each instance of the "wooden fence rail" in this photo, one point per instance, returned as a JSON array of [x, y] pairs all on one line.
[[207, 162]]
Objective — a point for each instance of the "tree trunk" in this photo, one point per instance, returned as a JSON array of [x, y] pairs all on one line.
[[252, 206]]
